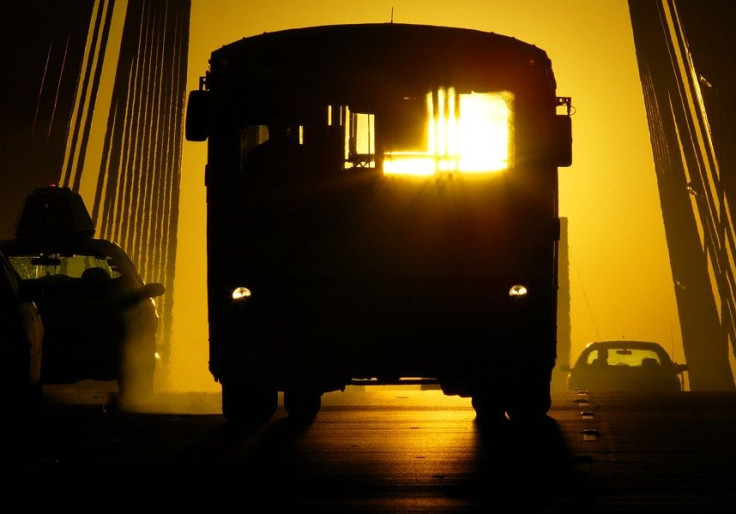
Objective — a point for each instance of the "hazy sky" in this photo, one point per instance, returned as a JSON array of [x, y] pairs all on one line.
[[621, 283]]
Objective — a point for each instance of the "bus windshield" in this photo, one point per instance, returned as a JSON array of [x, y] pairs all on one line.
[[442, 131]]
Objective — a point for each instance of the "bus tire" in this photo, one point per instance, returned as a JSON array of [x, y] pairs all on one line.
[[489, 409], [302, 406], [531, 403], [245, 403]]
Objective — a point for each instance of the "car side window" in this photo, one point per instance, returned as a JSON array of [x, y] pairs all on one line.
[[597, 358]]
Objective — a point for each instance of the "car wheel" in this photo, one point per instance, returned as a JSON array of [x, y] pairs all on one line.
[[246, 403], [301, 405], [137, 370], [135, 384], [35, 400]]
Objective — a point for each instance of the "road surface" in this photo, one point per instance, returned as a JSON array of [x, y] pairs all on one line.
[[376, 450]]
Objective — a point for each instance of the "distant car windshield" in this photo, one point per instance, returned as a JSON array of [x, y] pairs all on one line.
[[73, 266], [623, 357]]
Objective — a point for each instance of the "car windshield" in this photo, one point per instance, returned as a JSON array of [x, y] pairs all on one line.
[[73, 266], [623, 357]]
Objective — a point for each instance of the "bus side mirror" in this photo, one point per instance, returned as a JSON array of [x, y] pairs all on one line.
[[198, 107], [561, 140]]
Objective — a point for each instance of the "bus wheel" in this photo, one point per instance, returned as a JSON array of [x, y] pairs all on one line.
[[301, 405], [489, 409], [531, 404], [245, 403]]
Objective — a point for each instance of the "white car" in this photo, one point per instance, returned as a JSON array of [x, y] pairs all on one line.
[[99, 316]]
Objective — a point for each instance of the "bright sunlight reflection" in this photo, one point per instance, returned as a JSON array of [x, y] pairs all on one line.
[[466, 132]]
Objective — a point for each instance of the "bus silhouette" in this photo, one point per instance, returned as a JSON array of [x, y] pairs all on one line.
[[382, 208]]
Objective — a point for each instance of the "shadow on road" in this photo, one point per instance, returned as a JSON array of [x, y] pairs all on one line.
[[526, 467], [350, 459]]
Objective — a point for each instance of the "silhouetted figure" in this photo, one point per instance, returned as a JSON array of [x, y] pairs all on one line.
[[95, 279], [601, 359], [276, 159], [649, 362]]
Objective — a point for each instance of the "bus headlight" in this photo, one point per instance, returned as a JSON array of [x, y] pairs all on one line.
[[241, 294], [518, 291]]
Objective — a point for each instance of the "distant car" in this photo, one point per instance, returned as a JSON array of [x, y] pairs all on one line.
[[625, 366], [99, 316], [21, 345]]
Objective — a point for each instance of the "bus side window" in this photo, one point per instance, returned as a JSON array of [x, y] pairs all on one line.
[[278, 159], [324, 150], [360, 148], [250, 137]]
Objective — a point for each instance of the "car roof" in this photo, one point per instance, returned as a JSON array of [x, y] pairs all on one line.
[[53, 212], [625, 344]]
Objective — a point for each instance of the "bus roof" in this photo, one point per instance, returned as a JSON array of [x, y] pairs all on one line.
[[380, 54]]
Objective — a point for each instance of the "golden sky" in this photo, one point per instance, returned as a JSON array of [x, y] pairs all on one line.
[[621, 283]]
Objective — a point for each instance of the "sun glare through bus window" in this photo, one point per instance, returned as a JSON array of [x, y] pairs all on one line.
[[469, 132]]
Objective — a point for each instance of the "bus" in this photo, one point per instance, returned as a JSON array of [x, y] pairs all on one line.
[[382, 208]]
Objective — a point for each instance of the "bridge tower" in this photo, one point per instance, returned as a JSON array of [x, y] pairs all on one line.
[[685, 51]]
